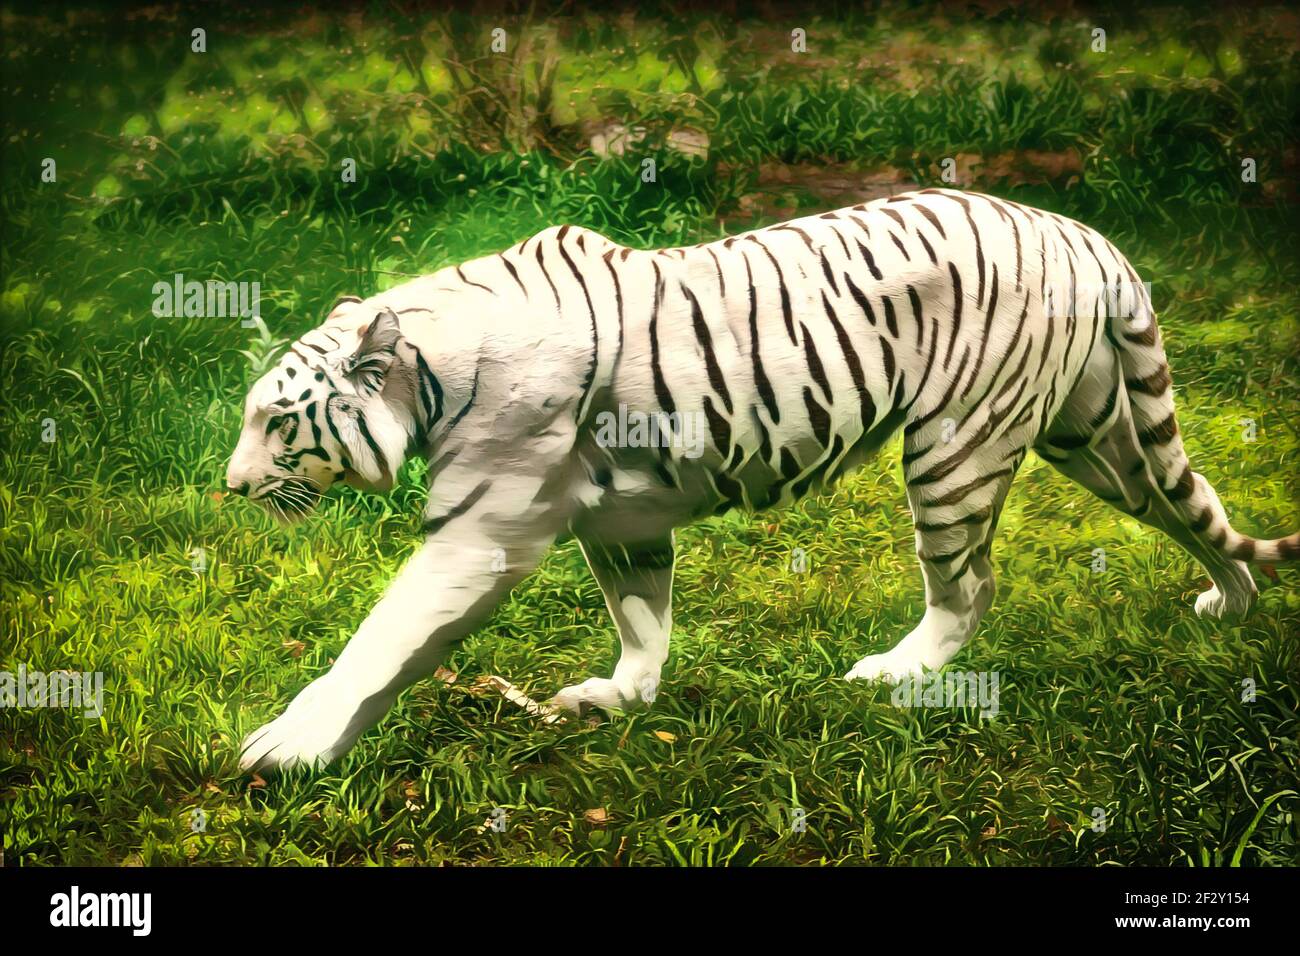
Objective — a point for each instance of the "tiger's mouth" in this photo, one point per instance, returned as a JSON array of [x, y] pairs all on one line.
[[289, 498]]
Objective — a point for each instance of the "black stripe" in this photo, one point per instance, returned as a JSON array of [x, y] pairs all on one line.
[[891, 321], [429, 381], [929, 361], [718, 428], [473, 396], [760, 377], [979, 403], [960, 493], [434, 525], [979, 248], [984, 339], [460, 272], [595, 336], [716, 378], [1154, 384], [786, 311], [830, 277], [618, 300], [818, 417], [975, 517], [916, 312], [860, 299], [917, 424], [662, 394], [343, 448], [950, 464], [542, 265], [374, 448], [802, 235], [871, 262], [514, 274], [929, 214], [814, 361], [956, 312], [1006, 357], [722, 282], [310, 412], [1104, 412], [1183, 487], [929, 250], [867, 407]]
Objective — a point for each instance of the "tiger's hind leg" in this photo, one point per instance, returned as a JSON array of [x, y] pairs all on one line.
[[955, 518], [638, 586], [1093, 440]]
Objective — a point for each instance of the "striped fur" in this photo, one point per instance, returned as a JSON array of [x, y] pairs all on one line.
[[774, 362]]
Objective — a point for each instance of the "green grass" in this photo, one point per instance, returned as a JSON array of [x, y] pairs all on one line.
[[1113, 694]]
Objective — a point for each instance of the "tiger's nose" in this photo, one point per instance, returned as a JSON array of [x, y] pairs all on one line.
[[239, 489]]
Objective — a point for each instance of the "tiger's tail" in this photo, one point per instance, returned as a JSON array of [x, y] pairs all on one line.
[[1151, 400]]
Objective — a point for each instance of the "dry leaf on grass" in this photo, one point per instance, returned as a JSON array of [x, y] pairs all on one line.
[[665, 736], [598, 816], [513, 694]]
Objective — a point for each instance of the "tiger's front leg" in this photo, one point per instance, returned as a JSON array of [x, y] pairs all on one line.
[[476, 553]]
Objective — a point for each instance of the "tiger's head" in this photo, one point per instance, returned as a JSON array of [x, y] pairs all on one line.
[[333, 408]]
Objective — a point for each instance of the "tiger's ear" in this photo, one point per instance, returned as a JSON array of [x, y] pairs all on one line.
[[369, 364]]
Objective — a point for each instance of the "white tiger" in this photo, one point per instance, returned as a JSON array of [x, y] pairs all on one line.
[[981, 327]]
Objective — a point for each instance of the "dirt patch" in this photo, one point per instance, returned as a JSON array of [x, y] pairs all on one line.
[[786, 190], [782, 189]]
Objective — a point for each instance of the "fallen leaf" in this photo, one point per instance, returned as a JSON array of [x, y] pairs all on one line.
[[444, 675], [597, 817], [665, 736], [257, 781], [295, 648]]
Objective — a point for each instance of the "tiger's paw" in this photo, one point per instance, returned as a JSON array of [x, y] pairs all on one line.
[[287, 744], [605, 694], [885, 667], [309, 734], [1210, 603], [1216, 603]]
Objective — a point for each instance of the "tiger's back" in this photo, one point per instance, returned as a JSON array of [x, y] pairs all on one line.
[[797, 350]]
